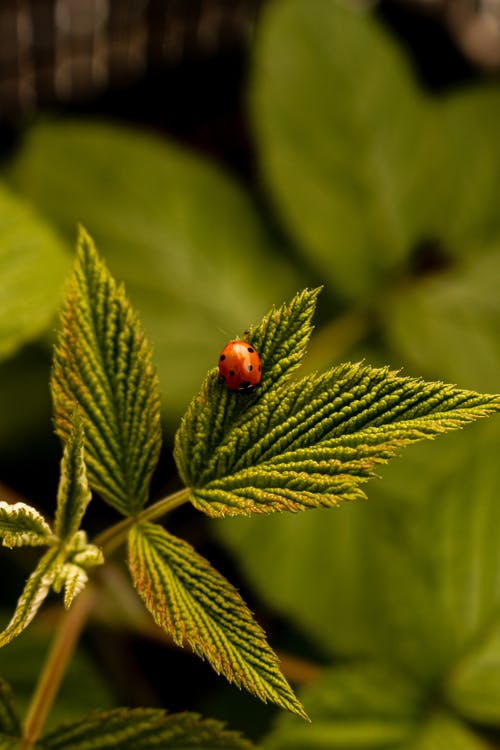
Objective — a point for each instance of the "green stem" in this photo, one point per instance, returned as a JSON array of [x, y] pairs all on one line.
[[111, 538], [50, 678], [73, 620]]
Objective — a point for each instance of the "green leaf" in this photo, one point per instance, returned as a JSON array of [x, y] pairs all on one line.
[[32, 267], [280, 556], [280, 340], [9, 720], [311, 443], [141, 728], [437, 541], [21, 524], [355, 194], [445, 731], [339, 157], [197, 605], [368, 706], [73, 494], [73, 578], [102, 366], [186, 238], [447, 324], [36, 589], [413, 576], [360, 706], [82, 553], [473, 686], [72, 575], [450, 153]]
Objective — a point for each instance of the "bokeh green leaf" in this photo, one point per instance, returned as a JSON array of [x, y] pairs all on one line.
[[33, 264], [339, 129], [446, 325], [185, 238], [361, 163], [368, 706], [365, 706]]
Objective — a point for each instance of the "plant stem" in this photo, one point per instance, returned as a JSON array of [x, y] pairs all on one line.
[[62, 647], [111, 538], [73, 620]]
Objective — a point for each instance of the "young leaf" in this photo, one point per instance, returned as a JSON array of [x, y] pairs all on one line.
[[73, 578], [194, 603], [141, 729], [73, 494], [313, 442], [102, 366], [281, 340], [35, 591], [9, 720], [20, 524], [80, 556]]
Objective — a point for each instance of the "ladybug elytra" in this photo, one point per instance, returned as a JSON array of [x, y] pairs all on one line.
[[239, 366]]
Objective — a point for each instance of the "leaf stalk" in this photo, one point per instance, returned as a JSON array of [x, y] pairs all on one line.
[[115, 535], [52, 674]]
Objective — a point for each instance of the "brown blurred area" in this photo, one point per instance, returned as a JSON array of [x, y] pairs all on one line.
[[74, 50], [60, 51]]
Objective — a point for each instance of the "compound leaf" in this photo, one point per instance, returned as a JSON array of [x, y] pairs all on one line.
[[36, 589], [311, 443], [73, 494], [102, 366], [197, 605], [141, 728], [21, 524]]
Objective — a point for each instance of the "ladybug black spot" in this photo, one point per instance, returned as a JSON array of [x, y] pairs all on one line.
[[222, 357], [232, 373], [260, 368], [250, 368], [249, 348]]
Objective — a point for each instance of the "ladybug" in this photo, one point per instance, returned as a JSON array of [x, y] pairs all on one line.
[[239, 366]]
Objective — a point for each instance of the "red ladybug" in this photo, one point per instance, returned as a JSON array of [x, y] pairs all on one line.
[[239, 366]]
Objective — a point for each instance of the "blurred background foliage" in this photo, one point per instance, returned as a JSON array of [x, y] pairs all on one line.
[[260, 147]]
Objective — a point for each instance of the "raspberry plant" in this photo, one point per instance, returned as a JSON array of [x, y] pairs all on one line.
[[292, 444]]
